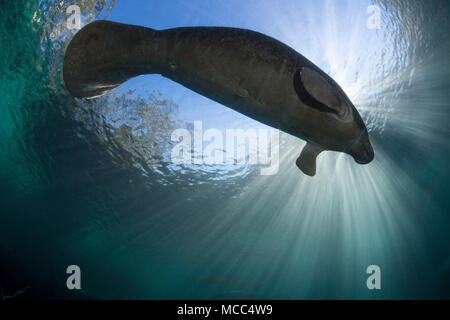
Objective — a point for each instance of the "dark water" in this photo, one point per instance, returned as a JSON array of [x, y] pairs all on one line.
[[80, 187]]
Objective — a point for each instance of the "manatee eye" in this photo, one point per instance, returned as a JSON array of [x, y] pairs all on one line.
[[317, 91]]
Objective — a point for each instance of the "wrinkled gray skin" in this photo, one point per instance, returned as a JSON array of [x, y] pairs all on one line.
[[247, 71]]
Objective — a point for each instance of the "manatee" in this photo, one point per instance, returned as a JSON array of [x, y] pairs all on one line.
[[245, 70]]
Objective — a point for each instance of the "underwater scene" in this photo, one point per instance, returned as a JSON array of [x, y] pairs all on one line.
[[151, 173]]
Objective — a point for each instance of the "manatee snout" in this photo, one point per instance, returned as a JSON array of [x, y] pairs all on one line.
[[362, 150]]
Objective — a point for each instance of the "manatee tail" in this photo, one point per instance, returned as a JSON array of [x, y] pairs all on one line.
[[104, 54]]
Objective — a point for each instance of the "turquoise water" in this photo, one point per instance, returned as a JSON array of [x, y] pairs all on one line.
[[90, 182]]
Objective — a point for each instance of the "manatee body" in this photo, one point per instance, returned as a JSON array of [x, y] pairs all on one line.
[[247, 71]]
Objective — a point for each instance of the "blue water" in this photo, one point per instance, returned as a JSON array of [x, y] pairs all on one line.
[[90, 182]]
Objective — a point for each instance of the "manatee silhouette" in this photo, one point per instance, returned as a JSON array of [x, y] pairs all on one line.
[[245, 70]]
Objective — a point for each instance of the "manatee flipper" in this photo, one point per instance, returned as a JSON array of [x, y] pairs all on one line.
[[307, 159], [320, 92]]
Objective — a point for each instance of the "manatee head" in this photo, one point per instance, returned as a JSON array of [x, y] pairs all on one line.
[[338, 125], [360, 149]]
